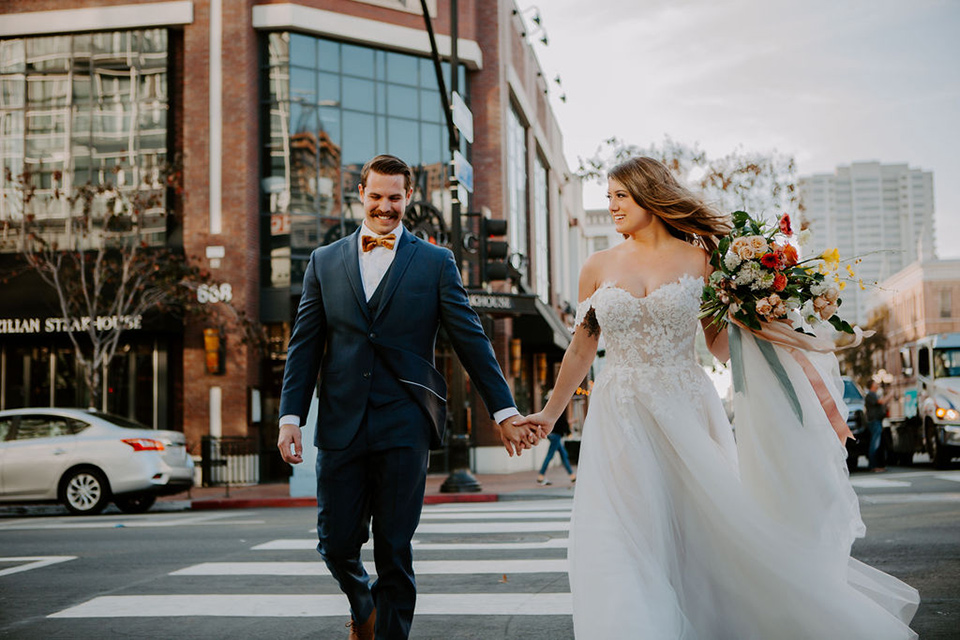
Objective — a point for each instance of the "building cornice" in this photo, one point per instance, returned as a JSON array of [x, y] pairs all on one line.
[[125, 16], [295, 17]]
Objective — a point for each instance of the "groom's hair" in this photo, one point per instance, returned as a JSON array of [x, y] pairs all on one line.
[[387, 165]]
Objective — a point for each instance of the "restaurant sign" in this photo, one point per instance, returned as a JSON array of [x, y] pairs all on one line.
[[65, 325]]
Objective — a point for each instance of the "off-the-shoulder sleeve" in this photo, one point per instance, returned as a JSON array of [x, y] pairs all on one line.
[[582, 310]]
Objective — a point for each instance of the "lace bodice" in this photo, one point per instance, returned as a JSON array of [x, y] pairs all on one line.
[[649, 339]]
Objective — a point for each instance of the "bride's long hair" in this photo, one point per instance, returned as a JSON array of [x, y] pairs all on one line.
[[686, 215]]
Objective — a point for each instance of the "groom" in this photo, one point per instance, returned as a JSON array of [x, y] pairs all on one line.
[[371, 307]]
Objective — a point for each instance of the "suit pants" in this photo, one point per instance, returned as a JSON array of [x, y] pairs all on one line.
[[358, 485]]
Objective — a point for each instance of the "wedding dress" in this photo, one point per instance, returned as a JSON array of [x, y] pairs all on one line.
[[667, 541]]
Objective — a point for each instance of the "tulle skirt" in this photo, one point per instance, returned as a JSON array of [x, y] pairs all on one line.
[[668, 542]]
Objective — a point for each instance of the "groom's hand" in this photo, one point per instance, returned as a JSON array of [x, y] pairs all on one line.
[[515, 439], [290, 434]]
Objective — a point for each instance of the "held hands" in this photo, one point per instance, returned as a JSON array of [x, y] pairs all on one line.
[[538, 423], [290, 434], [516, 438]]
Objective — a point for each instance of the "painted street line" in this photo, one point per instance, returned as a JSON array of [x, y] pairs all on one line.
[[490, 527], [422, 568], [906, 498], [313, 606], [164, 521], [502, 515], [308, 544], [953, 477], [877, 483], [498, 507], [33, 562]]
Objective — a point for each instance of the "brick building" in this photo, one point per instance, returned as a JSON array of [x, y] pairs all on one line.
[[273, 108]]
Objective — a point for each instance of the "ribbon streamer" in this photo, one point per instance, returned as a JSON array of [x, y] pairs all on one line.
[[795, 343]]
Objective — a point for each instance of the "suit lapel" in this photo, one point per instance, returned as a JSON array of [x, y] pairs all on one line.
[[406, 248], [351, 260]]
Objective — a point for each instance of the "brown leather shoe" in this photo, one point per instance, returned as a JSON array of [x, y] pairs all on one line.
[[363, 631]]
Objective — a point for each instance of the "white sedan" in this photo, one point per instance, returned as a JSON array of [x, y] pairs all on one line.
[[85, 459]]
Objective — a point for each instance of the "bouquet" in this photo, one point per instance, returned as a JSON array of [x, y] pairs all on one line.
[[759, 277]]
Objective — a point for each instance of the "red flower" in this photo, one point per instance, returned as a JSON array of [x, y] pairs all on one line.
[[779, 282], [785, 227], [770, 260], [790, 255]]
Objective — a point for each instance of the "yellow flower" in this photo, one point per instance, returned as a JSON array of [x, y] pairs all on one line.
[[831, 258], [841, 284], [862, 286], [850, 271]]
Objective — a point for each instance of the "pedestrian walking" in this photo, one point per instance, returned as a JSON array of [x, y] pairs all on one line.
[[875, 405], [560, 431]]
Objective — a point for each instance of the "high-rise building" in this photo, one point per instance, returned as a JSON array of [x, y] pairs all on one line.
[[882, 213]]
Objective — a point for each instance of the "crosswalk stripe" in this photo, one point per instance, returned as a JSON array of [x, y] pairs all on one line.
[[877, 483], [502, 507], [502, 515], [421, 567], [285, 606], [492, 527], [32, 562], [301, 544]]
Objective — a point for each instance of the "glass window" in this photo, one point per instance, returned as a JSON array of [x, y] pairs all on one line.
[[41, 426], [541, 229], [329, 89], [357, 60], [403, 139], [85, 103], [402, 101], [402, 69], [328, 56], [517, 188], [6, 428], [303, 85], [303, 50], [358, 138], [358, 94]]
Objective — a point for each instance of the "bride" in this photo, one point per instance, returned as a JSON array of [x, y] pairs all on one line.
[[667, 539]]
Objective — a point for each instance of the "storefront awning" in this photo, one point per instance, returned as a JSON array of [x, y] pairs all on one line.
[[537, 324]]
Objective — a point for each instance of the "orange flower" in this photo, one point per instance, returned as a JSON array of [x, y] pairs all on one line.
[[790, 255], [779, 282]]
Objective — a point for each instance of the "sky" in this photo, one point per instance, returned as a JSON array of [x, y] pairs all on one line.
[[829, 82]]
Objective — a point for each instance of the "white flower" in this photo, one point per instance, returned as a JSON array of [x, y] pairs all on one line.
[[734, 307], [818, 288], [804, 237], [809, 313], [731, 260], [763, 281], [749, 271]]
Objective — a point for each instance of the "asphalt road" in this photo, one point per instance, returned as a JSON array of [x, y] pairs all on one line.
[[485, 571]]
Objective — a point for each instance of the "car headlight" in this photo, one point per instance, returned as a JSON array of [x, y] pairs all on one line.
[[944, 413]]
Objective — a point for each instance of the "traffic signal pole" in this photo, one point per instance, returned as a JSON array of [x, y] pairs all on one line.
[[460, 480]]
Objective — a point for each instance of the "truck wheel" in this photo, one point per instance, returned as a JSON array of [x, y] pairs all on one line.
[[938, 453]]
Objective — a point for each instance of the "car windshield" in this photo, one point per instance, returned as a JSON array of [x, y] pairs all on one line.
[[120, 421], [946, 363], [850, 392]]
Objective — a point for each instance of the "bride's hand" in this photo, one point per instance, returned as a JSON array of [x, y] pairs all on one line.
[[538, 422]]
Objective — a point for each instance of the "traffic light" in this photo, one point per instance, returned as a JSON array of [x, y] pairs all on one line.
[[493, 253]]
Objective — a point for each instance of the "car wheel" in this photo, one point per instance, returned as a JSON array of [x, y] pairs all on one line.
[[84, 491], [139, 503]]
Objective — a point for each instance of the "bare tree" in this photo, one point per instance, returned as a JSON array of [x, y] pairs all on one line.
[[102, 250], [758, 182]]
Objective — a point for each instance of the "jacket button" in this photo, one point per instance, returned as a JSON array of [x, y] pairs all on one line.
[[366, 374]]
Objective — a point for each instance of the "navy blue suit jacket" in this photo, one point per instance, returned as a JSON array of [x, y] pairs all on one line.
[[382, 363]]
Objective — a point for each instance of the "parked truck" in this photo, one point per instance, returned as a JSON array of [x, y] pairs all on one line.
[[930, 387]]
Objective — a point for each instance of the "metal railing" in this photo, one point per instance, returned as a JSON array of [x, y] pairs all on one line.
[[229, 460]]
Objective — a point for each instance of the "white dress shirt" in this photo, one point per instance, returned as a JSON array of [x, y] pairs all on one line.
[[373, 266]]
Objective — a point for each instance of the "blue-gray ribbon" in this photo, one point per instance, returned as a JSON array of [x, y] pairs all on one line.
[[770, 355]]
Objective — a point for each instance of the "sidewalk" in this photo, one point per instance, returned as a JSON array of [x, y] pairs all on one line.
[[494, 487]]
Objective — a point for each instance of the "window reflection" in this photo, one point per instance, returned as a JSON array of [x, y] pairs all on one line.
[[329, 108], [85, 106]]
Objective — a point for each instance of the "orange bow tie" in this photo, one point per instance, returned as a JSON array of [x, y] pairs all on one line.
[[369, 242]]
